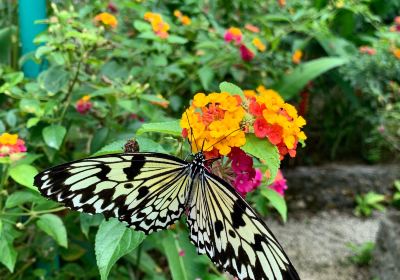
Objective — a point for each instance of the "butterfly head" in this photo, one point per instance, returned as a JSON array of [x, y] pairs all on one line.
[[199, 159]]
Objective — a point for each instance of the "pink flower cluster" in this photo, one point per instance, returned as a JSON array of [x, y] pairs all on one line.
[[247, 177], [83, 105], [235, 34], [279, 185], [11, 145]]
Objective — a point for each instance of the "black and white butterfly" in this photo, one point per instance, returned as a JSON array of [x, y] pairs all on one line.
[[151, 191]]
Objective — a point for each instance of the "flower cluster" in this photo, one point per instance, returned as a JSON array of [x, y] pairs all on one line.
[[11, 145], [160, 27], [279, 185], [396, 52], [214, 121], [106, 19], [235, 35], [185, 20], [83, 105], [296, 57], [367, 50], [247, 177], [275, 120]]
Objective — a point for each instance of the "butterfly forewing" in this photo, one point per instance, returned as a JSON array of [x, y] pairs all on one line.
[[223, 226], [145, 190]]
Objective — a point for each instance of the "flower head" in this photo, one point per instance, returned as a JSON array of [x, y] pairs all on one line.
[[11, 145], [279, 184], [296, 57], [83, 105], [367, 50], [246, 53], [275, 120], [259, 45], [185, 20], [213, 121], [252, 28], [396, 52], [160, 27], [106, 19], [233, 34]]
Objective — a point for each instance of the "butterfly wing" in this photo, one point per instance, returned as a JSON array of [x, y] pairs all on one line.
[[223, 226], [145, 190]]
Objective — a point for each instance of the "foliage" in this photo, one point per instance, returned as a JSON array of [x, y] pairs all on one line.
[[113, 77], [361, 254], [368, 202], [396, 195]]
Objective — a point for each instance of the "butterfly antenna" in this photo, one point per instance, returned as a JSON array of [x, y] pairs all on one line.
[[191, 134], [223, 138]]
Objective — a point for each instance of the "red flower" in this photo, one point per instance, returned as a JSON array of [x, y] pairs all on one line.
[[255, 108], [260, 128], [274, 133], [246, 53]]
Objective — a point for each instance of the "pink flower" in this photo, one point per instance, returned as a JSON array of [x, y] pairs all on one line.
[[279, 185], [243, 184], [112, 7], [181, 253], [257, 178], [246, 53], [83, 105], [233, 34]]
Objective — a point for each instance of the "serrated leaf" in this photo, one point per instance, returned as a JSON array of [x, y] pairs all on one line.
[[53, 135], [232, 89], [114, 240], [277, 201], [53, 226], [171, 127], [265, 151], [23, 174], [88, 221]]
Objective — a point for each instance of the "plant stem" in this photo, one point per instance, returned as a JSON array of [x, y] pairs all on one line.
[[3, 181], [139, 255]]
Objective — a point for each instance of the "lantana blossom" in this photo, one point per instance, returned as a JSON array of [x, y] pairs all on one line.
[[159, 26], [233, 34], [106, 19], [11, 145], [83, 105]]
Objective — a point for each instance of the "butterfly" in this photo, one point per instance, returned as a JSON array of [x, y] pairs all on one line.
[[151, 191]]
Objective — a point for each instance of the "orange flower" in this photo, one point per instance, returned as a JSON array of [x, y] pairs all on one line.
[[160, 27], [106, 19], [11, 145], [259, 45], [396, 52], [233, 34], [185, 20], [367, 50], [163, 102], [83, 105], [213, 122], [282, 3], [297, 55], [252, 28]]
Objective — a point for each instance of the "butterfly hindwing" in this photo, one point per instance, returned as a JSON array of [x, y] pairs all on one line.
[[223, 226], [145, 190]]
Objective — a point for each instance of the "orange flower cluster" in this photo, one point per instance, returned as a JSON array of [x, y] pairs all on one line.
[[296, 57], [396, 52], [259, 45], [276, 120], [185, 20], [160, 27], [213, 122], [107, 19], [11, 145]]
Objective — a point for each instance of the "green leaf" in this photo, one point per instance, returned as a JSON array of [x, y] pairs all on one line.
[[141, 26], [186, 267], [23, 174], [114, 240], [232, 89], [173, 39], [54, 79], [294, 82], [171, 127], [265, 151], [148, 145], [5, 44], [30, 106], [8, 255], [32, 122], [99, 139], [53, 226], [53, 135], [22, 197], [88, 221], [112, 148], [277, 201], [43, 50], [11, 118], [206, 75]]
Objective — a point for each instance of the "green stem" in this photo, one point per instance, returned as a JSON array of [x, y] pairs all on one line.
[[3, 181], [34, 213]]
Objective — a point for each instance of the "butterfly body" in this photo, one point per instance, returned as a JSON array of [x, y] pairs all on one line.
[[151, 191]]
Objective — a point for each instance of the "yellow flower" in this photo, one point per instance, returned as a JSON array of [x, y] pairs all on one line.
[[185, 20], [297, 55], [160, 27], [8, 139], [107, 19], [177, 13], [259, 45]]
